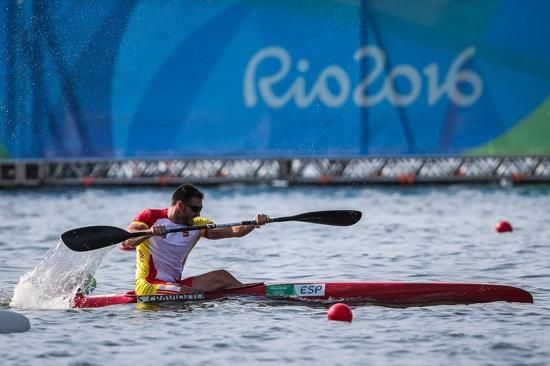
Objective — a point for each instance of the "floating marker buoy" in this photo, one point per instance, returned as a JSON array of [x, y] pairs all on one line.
[[340, 312], [11, 322], [503, 226]]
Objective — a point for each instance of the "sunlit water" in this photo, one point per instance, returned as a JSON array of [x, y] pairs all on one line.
[[416, 234]]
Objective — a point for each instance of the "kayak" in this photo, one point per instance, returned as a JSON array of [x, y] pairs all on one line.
[[400, 294]]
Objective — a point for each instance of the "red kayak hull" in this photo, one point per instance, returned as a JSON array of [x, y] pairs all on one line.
[[382, 293]]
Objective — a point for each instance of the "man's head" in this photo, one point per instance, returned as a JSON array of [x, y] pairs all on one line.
[[186, 203]]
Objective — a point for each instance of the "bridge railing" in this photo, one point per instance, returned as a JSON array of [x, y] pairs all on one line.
[[281, 172]]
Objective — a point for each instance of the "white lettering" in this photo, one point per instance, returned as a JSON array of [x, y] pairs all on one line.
[[409, 73], [359, 95], [174, 297], [262, 87], [453, 77], [297, 90], [250, 97]]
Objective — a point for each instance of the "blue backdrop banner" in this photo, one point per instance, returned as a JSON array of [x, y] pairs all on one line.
[[273, 78]]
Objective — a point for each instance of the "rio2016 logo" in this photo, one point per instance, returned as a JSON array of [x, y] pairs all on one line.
[[256, 87]]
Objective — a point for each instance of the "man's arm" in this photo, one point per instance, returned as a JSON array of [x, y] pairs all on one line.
[[140, 226], [237, 231]]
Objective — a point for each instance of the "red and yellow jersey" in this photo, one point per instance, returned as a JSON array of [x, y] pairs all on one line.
[[162, 259]]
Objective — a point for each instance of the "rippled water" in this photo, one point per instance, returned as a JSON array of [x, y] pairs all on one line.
[[417, 234]]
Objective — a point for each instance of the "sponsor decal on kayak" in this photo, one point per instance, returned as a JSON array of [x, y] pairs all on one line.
[[280, 290], [171, 297], [296, 290], [315, 289]]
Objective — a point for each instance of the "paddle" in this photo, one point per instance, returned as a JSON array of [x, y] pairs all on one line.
[[95, 237]]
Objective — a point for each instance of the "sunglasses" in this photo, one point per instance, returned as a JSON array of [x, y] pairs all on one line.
[[195, 209]]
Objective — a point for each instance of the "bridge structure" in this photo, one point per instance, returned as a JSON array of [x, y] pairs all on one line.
[[405, 171]]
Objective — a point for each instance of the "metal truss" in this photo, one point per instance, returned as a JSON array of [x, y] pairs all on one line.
[[280, 172]]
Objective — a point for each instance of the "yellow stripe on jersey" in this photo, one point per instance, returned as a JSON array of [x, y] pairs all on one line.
[[142, 260], [201, 221]]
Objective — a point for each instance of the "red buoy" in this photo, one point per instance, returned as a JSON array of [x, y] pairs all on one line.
[[340, 312], [503, 226]]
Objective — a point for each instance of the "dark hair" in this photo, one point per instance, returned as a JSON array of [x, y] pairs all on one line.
[[185, 192]]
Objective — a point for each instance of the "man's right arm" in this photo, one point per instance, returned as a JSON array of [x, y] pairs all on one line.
[[134, 242]]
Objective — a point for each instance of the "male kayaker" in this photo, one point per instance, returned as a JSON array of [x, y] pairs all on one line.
[[160, 257]]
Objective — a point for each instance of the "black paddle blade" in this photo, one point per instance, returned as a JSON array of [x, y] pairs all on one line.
[[334, 217], [93, 237]]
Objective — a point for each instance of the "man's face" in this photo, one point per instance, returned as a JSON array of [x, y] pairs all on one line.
[[186, 212]]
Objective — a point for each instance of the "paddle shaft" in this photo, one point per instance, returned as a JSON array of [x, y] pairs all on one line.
[[137, 234]]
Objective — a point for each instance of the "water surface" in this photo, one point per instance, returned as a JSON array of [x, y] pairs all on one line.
[[416, 234]]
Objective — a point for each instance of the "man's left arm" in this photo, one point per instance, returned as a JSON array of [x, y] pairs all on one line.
[[237, 231]]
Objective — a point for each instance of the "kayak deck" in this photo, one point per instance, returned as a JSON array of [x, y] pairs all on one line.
[[401, 294]]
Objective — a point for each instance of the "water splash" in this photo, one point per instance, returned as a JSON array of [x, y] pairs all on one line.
[[53, 283], [5, 299]]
